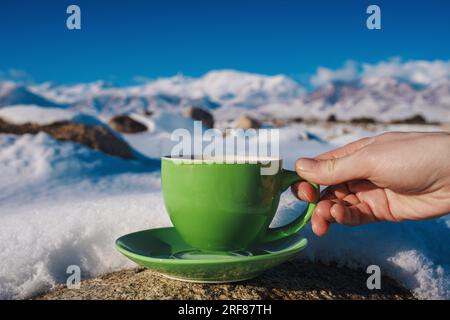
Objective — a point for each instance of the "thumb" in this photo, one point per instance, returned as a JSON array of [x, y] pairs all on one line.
[[331, 171]]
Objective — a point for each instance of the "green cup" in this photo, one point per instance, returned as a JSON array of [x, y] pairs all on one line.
[[227, 206]]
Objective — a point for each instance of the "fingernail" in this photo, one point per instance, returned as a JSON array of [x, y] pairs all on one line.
[[313, 226], [301, 194], [316, 232], [306, 164]]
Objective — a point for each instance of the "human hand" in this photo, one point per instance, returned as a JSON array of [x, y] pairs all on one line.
[[391, 177]]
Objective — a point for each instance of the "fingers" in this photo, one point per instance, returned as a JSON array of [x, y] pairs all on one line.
[[320, 226], [332, 171], [304, 191], [335, 166], [339, 211], [345, 215], [341, 192], [354, 146], [327, 212], [345, 150]]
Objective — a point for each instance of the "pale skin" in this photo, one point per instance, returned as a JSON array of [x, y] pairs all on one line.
[[391, 177]]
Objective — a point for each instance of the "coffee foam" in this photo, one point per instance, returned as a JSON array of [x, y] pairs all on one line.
[[223, 159]]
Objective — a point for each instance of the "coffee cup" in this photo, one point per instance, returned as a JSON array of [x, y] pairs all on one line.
[[221, 205]]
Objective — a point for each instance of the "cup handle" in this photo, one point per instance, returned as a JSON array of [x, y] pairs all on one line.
[[288, 178]]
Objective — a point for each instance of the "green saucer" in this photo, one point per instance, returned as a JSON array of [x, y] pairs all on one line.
[[164, 251]]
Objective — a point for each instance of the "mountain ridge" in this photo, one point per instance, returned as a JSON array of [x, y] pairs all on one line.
[[230, 92]]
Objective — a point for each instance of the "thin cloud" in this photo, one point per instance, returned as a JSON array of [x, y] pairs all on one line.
[[348, 73], [416, 72], [16, 75]]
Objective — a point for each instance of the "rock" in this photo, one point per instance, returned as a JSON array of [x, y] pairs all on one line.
[[96, 137], [363, 120], [277, 122], [247, 122], [148, 113], [292, 280], [126, 124], [415, 119], [332, 118], [199, 114]]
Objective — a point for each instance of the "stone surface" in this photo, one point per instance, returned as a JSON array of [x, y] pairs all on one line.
[[292, 280]]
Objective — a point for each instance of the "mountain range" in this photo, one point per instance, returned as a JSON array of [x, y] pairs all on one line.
[[228, 93]]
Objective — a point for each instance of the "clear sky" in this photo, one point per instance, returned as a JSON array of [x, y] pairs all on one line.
[[123, 39]]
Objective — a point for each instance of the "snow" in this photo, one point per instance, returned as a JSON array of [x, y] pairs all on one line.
[[228, 85], [42, 240], [20, 114], [67, 94], [170, 121], [12, 93], [63, 203]]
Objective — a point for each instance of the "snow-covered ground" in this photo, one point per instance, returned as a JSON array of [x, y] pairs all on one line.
[[64, 204], [21, 114]]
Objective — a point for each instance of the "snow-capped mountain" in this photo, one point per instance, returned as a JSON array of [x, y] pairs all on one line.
[[12, 94], [226, 86], [213, 90], [228, 93], [384, 99], [68, 94]]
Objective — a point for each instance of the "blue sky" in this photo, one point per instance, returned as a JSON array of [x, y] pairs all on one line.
[[120, 40]]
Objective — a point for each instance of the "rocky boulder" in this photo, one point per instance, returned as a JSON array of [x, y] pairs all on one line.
[[332, 118], [363, 120], [95, 137], [199, 114], [126, 124], [247, 122], [415, 119]]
